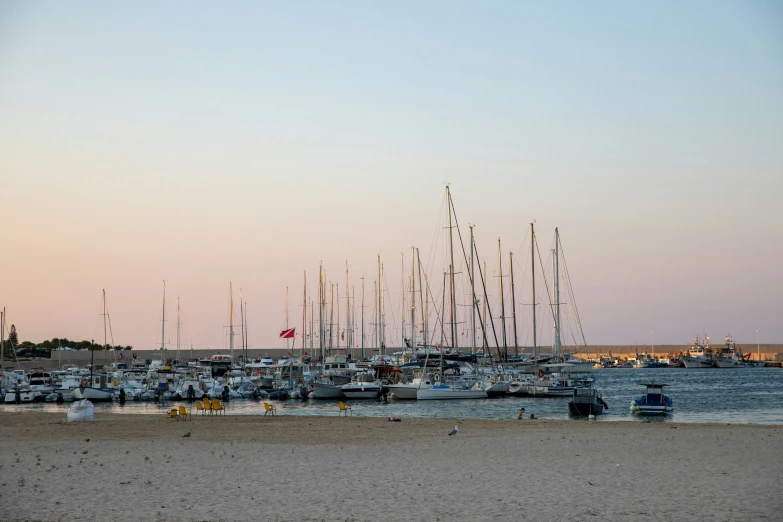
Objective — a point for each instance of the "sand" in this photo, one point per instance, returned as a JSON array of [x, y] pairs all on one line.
[[291, 468]]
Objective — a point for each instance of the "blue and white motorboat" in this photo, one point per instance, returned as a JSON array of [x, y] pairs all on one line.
[[653, 402]]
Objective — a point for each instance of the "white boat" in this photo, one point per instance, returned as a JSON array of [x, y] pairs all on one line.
[[729, 356], [22, 395], [699, 356], [81, 411], [448, 391], [364, 387], [408, 390], [98, 392], [183, 390], [325, 390]]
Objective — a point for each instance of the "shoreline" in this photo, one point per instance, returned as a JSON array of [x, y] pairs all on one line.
[[290, 468]]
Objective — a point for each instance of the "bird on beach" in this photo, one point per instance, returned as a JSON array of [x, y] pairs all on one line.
[[187, 434], [454, 431]]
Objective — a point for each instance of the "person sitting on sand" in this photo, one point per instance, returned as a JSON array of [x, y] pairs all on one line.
[[521, 414], [532, 416]]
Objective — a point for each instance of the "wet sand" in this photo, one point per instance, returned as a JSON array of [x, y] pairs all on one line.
[[292, 468]]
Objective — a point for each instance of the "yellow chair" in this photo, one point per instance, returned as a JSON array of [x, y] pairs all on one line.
[[217, 407], [269, 409], [207, 405], [185, 414], [173, 414], [344, 408], [200, 407]]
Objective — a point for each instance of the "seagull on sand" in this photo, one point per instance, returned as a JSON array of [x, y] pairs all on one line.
[[187, 434], [454, 431]]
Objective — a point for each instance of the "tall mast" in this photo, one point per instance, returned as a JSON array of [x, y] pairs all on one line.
[[383, 312], [378, 329], [502, 304], [484, 342], [177, 328], [304, 314], [163, 323], [337, 302], [413, 299], [347, 311], [104, 320], [402, 298], [423, 317], [362, 317], [241, 322], [287, 345], [426, 309], [231, 319], [513, 303], [312, 330], [472, 299], [247, 339], [2, 338], [353, 319], [533, 278], [331, 314], [452, 308], [321, 310], [557, 291], [375, 315]]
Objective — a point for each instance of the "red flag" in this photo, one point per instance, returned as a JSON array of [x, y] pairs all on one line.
[[288, 334]]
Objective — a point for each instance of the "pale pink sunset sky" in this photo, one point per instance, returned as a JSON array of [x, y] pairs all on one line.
[[205, 144]]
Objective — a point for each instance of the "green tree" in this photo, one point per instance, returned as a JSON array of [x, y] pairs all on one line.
[[12, 342]]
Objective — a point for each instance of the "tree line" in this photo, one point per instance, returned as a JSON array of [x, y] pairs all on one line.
[[12, 346]]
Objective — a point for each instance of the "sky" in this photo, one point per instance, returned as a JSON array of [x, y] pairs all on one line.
[[209, 144]]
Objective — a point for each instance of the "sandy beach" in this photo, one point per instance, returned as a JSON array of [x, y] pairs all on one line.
[[291, 468]]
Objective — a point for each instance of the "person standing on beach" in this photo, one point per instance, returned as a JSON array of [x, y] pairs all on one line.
[[521, 414]]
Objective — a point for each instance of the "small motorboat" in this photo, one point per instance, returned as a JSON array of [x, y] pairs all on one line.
[[653, 402], [586, 402]]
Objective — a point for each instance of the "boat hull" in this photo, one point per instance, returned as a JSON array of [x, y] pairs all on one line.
[[326, 391], [584, 409], [447, 392], [405, 392], [93, 394], [355, 392], [696, 362], [725, 362]]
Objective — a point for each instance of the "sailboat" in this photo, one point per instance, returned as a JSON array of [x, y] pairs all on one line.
[[441, 389], [95, 388]]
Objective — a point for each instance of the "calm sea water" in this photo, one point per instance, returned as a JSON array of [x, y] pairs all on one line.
[[738, 396]]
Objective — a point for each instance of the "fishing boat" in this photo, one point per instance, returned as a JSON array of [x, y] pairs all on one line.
[[586, 402], [653, 402], [729, 356], [699, 355]]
